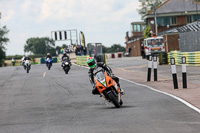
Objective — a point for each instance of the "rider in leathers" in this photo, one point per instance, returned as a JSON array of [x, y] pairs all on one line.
[[92, 62]]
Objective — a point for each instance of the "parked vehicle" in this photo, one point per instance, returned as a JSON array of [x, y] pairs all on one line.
[[108, 88], [27, 65], [66, 64], [49, 63], [154, 45]]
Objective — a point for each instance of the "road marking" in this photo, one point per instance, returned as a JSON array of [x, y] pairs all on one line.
[[165, 93], [44, 74], [175, 97]]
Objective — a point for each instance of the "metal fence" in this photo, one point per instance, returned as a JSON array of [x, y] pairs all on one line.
[[94, 49], [189, 41]]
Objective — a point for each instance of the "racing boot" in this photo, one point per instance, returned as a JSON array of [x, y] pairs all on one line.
[[95, 91]]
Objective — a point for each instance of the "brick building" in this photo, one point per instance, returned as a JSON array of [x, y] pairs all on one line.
[[169, 15]]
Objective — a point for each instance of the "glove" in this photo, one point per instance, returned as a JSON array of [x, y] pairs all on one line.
[[112, 75]]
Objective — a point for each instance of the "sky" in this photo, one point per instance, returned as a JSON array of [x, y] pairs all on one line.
[[104, 21]]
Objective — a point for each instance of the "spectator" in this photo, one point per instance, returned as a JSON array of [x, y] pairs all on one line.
[[129, 51], [142, 51], [81, 50], [13, 61]]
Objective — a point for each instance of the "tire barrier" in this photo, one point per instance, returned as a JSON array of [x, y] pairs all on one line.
[[114, 55], [82, 60], [192, 58]]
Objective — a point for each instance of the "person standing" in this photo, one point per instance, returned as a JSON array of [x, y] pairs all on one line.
[[129, 51], [13, 61], [142, 51]]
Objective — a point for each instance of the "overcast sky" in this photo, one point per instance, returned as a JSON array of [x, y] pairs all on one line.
[[104, 21]]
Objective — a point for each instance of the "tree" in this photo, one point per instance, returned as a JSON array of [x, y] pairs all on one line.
[[147, 32], [3, 40], [148, 5], [114, 48], [58, 49], [42, 45]]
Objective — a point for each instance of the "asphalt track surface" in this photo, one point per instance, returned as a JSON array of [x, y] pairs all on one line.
[[44, 101]]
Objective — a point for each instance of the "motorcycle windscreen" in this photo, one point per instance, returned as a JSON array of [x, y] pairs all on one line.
[[101, 78]]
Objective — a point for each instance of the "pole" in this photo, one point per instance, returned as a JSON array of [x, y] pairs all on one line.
[[184, 74], [174, 75], [149, 68], [155, 66], [155, 20]]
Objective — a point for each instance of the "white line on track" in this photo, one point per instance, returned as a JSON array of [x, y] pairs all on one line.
[[175, 97], [44, 74]]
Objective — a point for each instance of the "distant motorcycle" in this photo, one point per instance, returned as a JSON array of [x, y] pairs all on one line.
[[108, 88], [66, 64], [27, 65], [49, 63]]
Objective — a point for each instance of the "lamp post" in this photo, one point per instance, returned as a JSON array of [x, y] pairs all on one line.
[[155, 24]]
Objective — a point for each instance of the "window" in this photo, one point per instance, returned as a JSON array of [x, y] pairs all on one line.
[[173, 21], [163, 21], [189, 19], [143, 27], [196, 17], [137, 28]]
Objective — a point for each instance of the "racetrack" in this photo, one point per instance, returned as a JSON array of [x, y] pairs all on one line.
[[44, 101]]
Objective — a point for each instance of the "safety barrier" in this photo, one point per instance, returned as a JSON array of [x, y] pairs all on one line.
[[82, 60], [192, 58], [114, 55]]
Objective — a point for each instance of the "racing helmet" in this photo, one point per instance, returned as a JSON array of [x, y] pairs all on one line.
[[91, 62]]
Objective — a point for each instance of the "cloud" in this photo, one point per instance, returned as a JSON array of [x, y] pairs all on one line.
[[104, 21], [96, 12]]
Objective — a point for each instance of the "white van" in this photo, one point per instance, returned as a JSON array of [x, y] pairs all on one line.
[[154, 45]]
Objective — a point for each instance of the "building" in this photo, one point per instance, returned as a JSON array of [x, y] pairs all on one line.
[[170, 15], [133, 41]]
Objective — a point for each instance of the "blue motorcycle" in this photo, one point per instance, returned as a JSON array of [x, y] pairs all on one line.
[[49, 63]]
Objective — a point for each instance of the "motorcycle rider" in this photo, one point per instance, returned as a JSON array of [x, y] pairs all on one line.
[[48, 56], [27, 58], [65, 56], [93, 67]]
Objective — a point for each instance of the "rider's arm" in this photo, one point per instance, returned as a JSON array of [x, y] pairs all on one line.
[[91, 77], [104, 66]]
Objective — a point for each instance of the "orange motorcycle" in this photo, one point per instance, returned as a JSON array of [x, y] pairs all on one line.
[[108, 88]]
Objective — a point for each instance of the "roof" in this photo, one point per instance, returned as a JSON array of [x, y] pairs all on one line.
[[195, 26], [174, 30], [139, 22], [157, 37], [176, 6]]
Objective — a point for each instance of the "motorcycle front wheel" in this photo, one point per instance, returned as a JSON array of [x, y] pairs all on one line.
[[113, 99], [27, 70], [49, 66]]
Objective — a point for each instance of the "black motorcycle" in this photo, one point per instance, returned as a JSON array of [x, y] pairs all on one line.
[[66, 64]]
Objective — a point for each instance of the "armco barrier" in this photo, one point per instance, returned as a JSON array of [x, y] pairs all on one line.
[[192, 58], [82, 60]]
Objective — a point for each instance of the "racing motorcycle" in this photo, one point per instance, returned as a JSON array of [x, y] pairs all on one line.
[[66, 65], [108, 88], [27, 65], [49, 63]]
